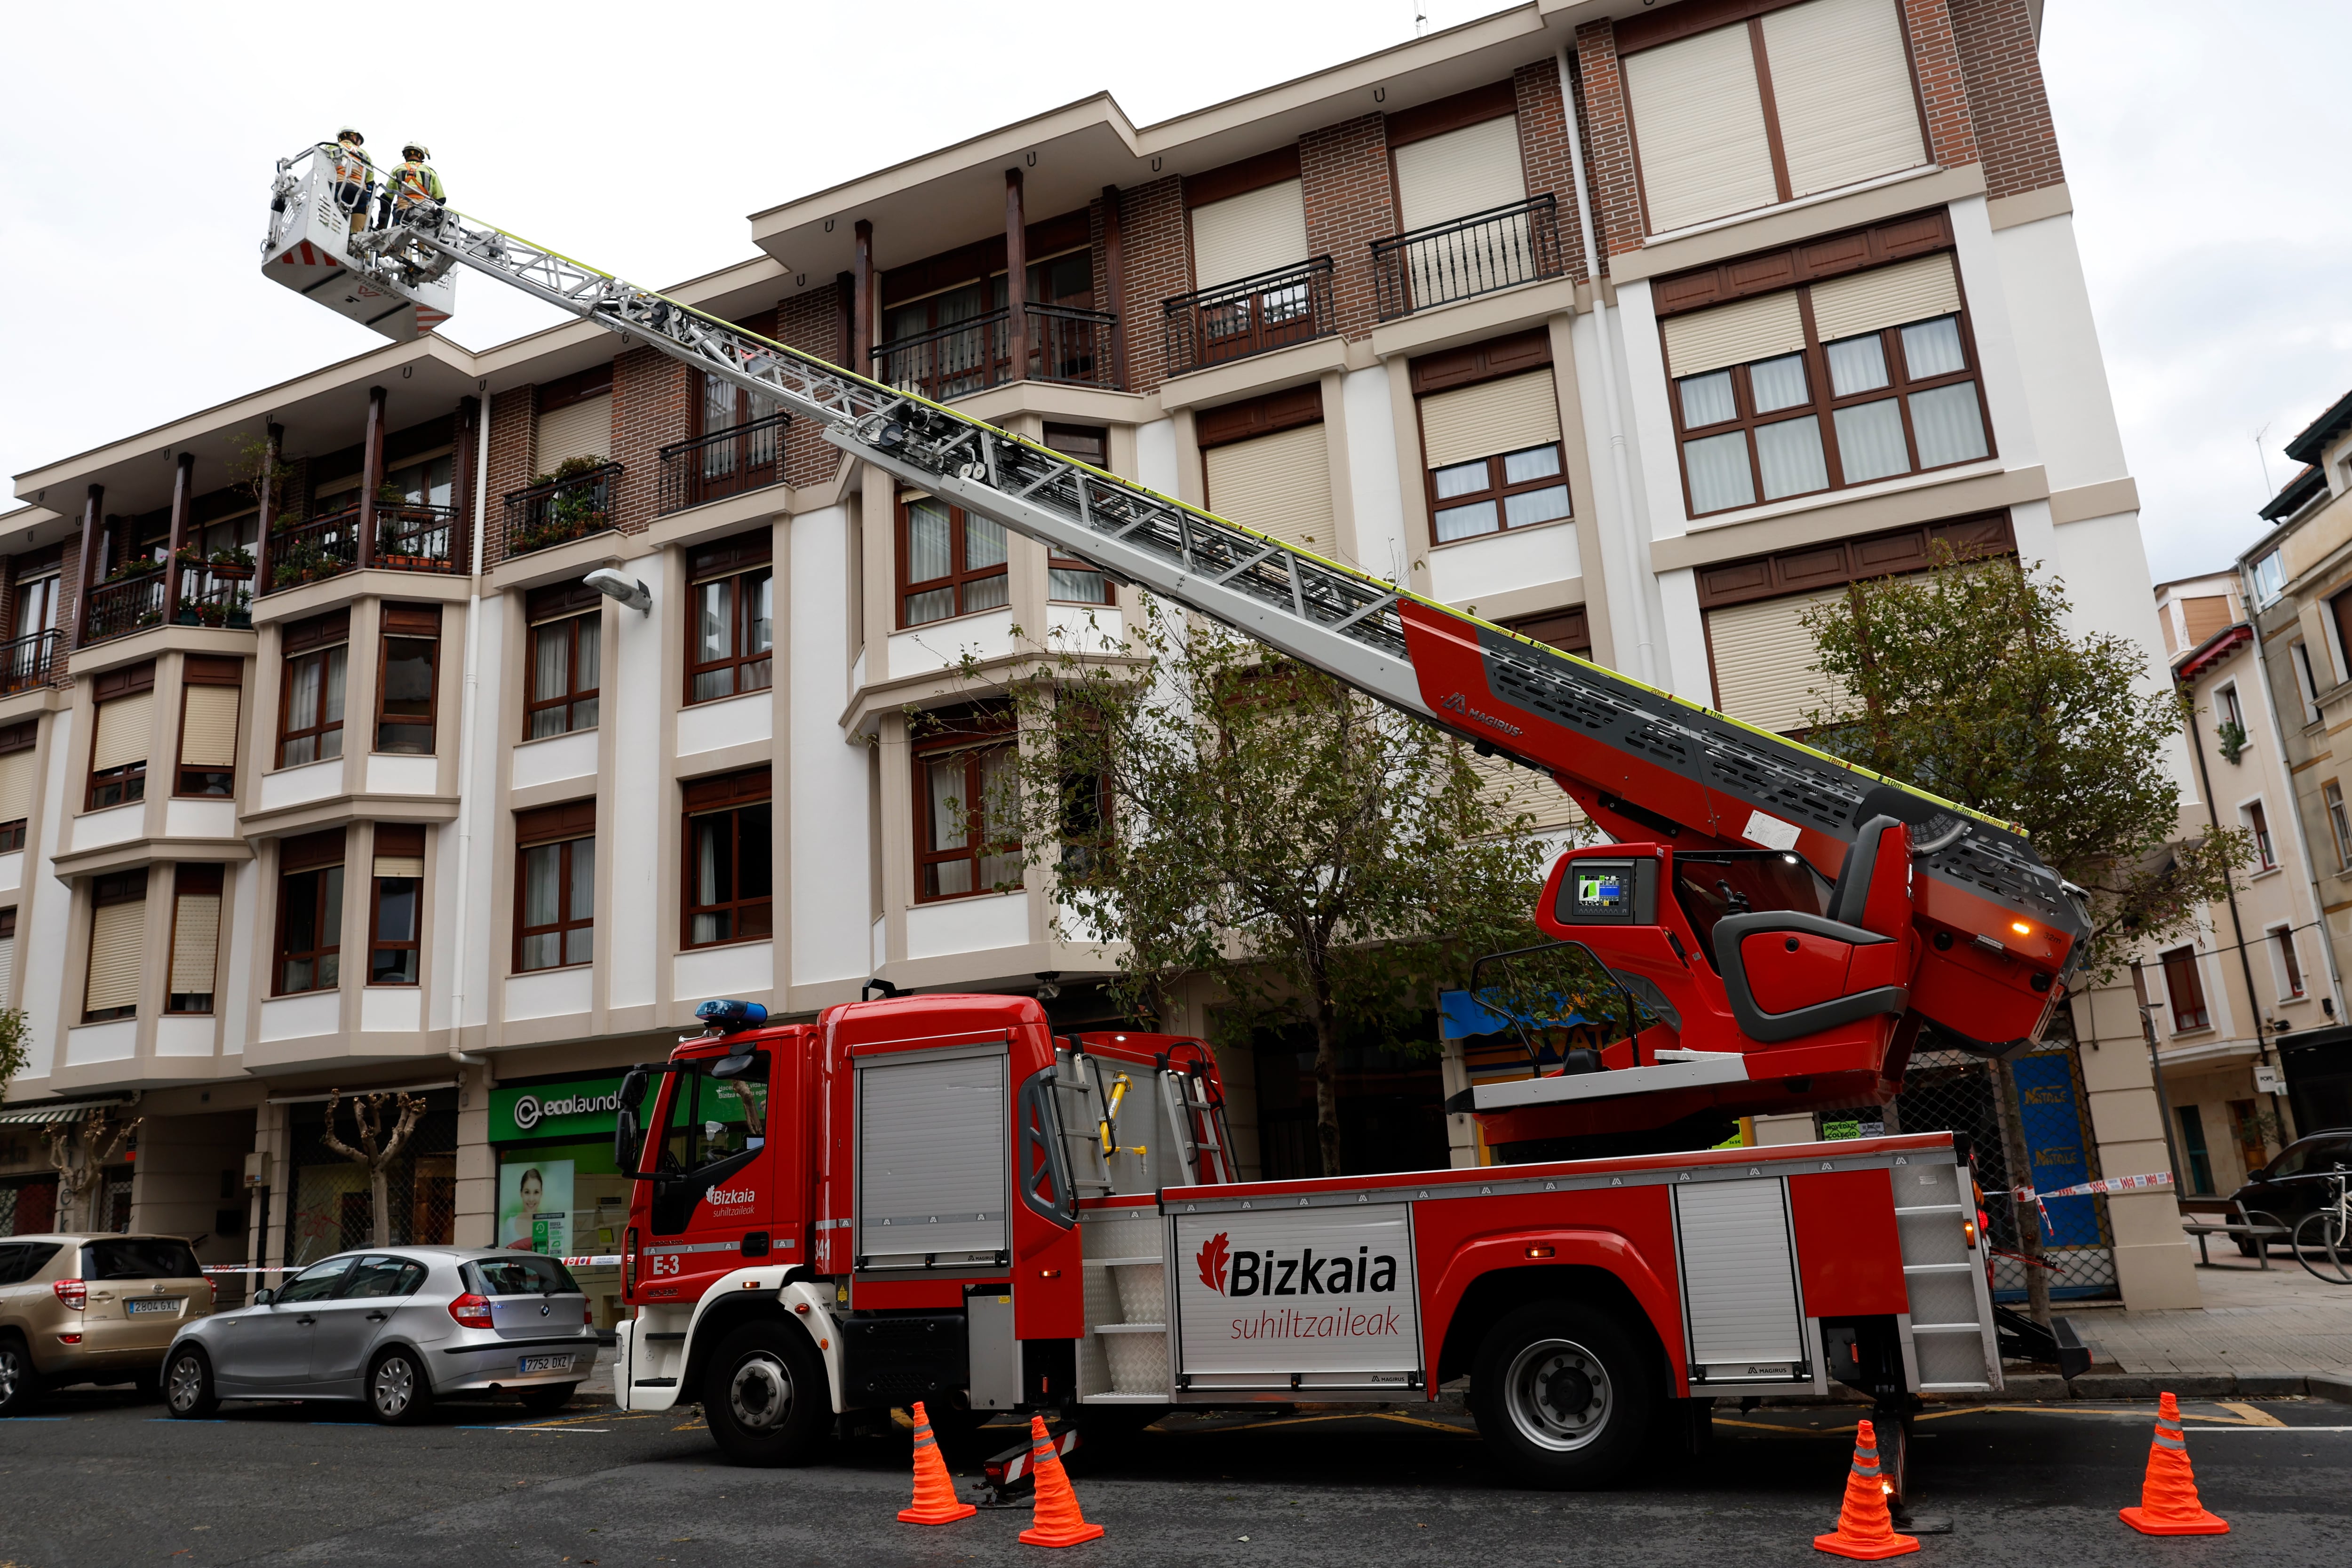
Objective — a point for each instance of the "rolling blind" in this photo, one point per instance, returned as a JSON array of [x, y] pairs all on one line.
[[400, 865], [1494, 416], [117, 933], [1886, 297], [195, 943], [1763, 656], [1510, 791], [931, 1159], [1842, 88], [582, 429], [1698, 127], [1463, 171], [1279, 485], [16, 786], [124, 726], [1254, 232], [1736, 333], [208, 728], [7, 965]]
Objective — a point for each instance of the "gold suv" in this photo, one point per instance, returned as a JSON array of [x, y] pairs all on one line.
[[91, 1309]]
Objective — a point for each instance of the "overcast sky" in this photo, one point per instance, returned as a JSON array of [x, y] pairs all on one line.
[[136, 155]]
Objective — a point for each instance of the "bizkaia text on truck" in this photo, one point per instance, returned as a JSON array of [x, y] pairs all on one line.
[[937, 1199]]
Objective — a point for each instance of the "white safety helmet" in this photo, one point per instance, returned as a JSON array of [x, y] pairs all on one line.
[[417, 150]]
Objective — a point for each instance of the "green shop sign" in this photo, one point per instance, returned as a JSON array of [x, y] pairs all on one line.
[[582, 1109]]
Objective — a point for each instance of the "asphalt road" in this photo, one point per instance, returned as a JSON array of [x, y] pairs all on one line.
[[99, 1481]]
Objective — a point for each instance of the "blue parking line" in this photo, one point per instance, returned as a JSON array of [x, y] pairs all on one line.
[[16, 1418]]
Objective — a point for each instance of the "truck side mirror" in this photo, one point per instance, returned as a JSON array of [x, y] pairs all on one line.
[[633, 1088], [626, 1135]]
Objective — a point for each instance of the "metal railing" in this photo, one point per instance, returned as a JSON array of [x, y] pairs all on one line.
[[34, 659], [208, 599], [411, 536], [314, 550], [561, 510], [1065, 345], [124, 605], [1250, 315], [1471, 256], [746, 457]]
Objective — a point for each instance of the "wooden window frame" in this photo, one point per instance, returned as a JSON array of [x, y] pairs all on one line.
[[959, 579], [1089, 444], [404, 839], [735, 562], [110, 888], [312, 854], [406, 623], [22, 736], [729, 795], [197, 879], [560, 603], [2182, 979], [322, 649], [2258, 825], [1568, 629], [199, 670], [1823, 405], [1498, 489], [970, 733], [131, 778], [567, 827], [2331, 795]]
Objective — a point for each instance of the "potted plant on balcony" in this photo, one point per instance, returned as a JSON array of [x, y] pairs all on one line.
[[231, 564], [137, 566]]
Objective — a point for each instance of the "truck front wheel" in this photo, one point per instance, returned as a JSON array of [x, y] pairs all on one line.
[[764, 1395], [1561, 1395]]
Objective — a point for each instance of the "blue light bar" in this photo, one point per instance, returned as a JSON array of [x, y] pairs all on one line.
[[732, 1017]]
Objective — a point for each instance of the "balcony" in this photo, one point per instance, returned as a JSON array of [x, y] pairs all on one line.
[[1250, 316], [216, 594], [31, 660], [1065, 345], [130, 601], [568, 506], [313, 550], [412, 537], [747, 457], [1499, 248]]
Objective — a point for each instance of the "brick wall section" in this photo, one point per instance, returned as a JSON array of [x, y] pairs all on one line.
[[1608, 141], [1544, 152], [1350, 199], [511, 436], [2006, 101], [1158, 267], [1943, 85], [649, 412], [810, 321]]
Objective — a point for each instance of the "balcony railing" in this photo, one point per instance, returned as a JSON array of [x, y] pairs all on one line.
[[31, 660], [1065, 345], [1472, 255], [126, 604], [314, 550], [747, 457], [561, 510], [1250, 316], [207, 598], [412, 537]]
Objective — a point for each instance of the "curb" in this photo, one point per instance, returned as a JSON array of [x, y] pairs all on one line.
[[2048, 1387]]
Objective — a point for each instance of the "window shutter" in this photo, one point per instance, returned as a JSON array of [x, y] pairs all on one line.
[[1511, 791], [1888, 297], [582, 429], [1463, 171], [117, 933], [124, 726], [1763, 657], [1492, 417], [1699, 129], [16, 786], [400, 865], [7, 963], [1279, 485], [208, 728], [1842, 86], [1254, 232], [1733, 334], [196, 942]]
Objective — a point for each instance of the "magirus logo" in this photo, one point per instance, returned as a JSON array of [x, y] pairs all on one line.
[[1275, 1273]]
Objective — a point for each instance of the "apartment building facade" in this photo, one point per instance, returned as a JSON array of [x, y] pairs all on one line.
[[1638, 327]]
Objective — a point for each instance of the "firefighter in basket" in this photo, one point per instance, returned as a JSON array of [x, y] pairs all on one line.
[[355, 177], [411, 185]]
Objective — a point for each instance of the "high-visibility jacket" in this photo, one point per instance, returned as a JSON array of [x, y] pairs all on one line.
[[413, 181], [351, 166]]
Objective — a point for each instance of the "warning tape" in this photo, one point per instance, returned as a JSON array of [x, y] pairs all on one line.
[[601, 1260], [2087, 1189]]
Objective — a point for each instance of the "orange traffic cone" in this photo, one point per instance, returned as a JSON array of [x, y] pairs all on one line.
[[2167, 1498], [935, 1497], [1865, 1529], [1056, 1522]]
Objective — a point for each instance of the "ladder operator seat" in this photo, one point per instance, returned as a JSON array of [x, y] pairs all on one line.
[[1786, 973]]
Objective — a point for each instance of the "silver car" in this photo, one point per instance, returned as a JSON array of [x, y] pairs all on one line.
[[396, 1327]]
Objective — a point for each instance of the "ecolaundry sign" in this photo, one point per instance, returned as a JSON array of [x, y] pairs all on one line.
[[582, 1108], [1263, 1295]]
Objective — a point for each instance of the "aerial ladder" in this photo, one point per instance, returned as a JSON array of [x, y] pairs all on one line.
[[1790, 922]]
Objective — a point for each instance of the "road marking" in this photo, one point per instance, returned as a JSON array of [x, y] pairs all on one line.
[[549, 1428], [2253, 1417], [2282, 1426], [1418, 1421]]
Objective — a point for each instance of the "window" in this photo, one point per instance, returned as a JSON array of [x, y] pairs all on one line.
[[729, 863], [964, 810], [2286, 968], [316, 1283], [2269, 579], [2339, 826], [723, 466], [404, 683], [949, 564], [17, 749], [1859, 378], [397, 911], [575, 419], [1805, 99], [2306, 687], [567, 628], [1262, 229], [734, 618], [7, 952], [209, 698], [2226, 709], [376, 1276], [2258, 826], [196, 938], [555, 894], [118, 936], [310, 912], [37, 604], [2186, 990], [1069, 580], [310, 727], [1569, 630], [1494, 457], [2193, 1150], [1268, 465], [424, 481], [2339, 617], [126, 729]]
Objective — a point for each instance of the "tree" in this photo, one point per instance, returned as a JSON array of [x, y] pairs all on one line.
[[376, 1152], [78, 1151], [1226, 814], [14, 1051]]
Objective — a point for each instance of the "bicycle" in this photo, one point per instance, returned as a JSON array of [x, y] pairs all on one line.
[[2327, 1230]]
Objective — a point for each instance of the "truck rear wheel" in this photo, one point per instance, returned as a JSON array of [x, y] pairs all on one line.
[[1561, 1393], [764, 1395]]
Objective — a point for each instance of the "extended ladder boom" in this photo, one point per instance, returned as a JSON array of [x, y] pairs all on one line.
[[1698, 776]]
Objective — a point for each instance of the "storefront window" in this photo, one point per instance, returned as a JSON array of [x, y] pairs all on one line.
[[559, 1192], [334, 1207]]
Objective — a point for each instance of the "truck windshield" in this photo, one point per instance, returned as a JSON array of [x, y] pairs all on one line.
[[710, 1120], [1711, 886]]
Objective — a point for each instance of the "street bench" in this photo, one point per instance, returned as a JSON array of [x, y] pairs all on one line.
[[2261, 1234]]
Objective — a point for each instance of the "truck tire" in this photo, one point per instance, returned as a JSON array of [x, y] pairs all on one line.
[[764, 1395], [1562, 1396]]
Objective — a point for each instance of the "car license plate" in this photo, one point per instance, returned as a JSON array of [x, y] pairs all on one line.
[[532, 1363], [168, 1304]]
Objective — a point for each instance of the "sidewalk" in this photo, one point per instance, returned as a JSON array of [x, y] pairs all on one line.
[[2258, 1331]]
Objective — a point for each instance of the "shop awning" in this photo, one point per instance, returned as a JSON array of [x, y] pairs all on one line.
[[37, 1112]]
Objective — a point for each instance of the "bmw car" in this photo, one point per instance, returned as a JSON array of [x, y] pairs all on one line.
[[396, 1328]]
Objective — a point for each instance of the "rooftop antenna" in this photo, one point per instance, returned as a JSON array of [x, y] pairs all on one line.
[[1420, 20], [2264, 458]]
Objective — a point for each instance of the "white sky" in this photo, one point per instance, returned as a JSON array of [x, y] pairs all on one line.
[[135, 158]]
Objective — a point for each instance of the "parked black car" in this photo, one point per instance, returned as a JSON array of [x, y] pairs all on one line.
[[2289, 1188]]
